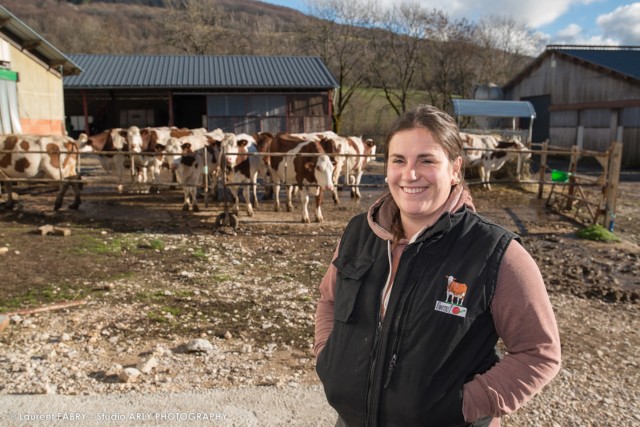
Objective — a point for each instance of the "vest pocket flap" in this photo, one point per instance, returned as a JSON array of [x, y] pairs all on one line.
[[353, 268], [346, 295]]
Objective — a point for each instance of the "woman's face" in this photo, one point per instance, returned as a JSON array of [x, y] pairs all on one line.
[[420, 176]]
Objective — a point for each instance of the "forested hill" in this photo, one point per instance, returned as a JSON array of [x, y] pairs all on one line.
[[154, 26]]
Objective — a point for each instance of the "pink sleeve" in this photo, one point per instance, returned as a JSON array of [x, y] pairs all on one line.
[[324, 311], [524, 319]]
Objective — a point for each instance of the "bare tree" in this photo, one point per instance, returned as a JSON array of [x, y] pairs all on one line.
[[338, 38], [505, 47], [192, 25], [398, 39], [448, 68]]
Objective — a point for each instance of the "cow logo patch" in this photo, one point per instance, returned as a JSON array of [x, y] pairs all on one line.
[[454, 300]]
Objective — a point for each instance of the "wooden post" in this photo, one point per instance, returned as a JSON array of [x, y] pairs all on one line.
[[573, 167], [613, 184], [543, 167]]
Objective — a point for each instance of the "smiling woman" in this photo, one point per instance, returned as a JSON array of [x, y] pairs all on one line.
[[419, 291]]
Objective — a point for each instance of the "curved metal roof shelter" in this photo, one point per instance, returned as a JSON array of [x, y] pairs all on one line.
[[485, 108]]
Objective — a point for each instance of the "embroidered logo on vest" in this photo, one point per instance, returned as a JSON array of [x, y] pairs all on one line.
[[452, 304]]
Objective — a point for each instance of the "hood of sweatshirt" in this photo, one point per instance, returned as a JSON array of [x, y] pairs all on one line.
[[382, 211]]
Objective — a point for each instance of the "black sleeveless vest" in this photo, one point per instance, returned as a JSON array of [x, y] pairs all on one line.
[[409, 370]]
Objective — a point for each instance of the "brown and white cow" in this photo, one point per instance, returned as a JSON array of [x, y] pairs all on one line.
[[199, 156], [34, 156], [488, 154], [245, 173], [360, 152], [112, 150], [306, 164]]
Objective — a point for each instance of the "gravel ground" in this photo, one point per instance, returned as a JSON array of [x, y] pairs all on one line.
[[181, 321]]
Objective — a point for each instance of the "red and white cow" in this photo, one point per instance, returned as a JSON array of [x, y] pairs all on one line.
[[200, 154], [488, 154], [33, 156], [111, 148], [245, 173], [338, 158], [360, 152], [314, 170]]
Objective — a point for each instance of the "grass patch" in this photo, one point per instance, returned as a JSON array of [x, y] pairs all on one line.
[[107, 246], [598, 233], [41, 296], [200, 254]]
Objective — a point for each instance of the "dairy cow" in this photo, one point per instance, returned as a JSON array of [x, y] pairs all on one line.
[[295, 160], [34, 156]]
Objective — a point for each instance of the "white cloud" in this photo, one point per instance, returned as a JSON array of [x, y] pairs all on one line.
[[532, 13], [622, 24]]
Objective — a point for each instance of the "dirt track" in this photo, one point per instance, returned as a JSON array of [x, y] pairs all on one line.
[[156, 277]]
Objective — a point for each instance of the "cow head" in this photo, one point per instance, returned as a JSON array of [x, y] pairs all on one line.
[[134, 139], [323, 172]]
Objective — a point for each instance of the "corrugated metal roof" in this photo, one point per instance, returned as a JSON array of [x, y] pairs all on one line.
[[483, 108], [623, 59], [620, 61], [221, 72], [31, 41]]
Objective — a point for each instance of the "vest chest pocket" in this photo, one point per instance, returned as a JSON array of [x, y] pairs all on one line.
[[349, 280]]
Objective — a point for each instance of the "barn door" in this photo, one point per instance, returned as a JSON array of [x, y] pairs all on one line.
[[542, 123]]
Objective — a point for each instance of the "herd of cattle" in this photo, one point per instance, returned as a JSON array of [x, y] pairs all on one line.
[[307, 162]]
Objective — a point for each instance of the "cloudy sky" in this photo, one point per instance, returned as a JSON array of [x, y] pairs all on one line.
[[593, 22]]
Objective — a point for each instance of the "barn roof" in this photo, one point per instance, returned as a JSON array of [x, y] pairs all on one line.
[[487, 108], [28, 40], [191, 71], [620, 61]]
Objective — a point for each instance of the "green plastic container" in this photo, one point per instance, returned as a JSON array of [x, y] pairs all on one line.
[[559, 176]]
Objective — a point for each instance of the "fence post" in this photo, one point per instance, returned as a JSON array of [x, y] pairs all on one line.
[[543, 167], [613, 184]]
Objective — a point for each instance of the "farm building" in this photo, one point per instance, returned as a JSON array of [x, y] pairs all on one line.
[[587, 96], [31, 73], [235, 93]]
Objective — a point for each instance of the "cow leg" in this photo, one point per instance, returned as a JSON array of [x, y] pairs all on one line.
[[487, 179], [64, 186], [276, 196], [319, 197], [247, 195], [236, 200], [9, 189], [76, 191], [289, 197], [304, 200], [194, 200], [356, 184], [187, 194]]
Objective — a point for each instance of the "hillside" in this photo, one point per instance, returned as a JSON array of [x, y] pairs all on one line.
[[139, 26]]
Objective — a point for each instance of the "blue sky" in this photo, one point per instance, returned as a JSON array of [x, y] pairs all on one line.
[[595, 22]]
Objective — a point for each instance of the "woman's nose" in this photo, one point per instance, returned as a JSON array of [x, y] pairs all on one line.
[[409, 173]]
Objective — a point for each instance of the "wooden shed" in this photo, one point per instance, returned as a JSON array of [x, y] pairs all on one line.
[[31, 73], [587, 96], [235, 93]]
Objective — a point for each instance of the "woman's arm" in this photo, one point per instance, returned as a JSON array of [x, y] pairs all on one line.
[[324, 311], [524, 319]]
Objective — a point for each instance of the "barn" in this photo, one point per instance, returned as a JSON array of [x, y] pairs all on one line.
[[236, 93], [31, 76], [587, 96]]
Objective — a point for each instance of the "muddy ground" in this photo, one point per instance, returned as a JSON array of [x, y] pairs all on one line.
[[152, 273]]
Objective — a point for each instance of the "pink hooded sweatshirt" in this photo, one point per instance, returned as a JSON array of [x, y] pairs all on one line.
[[522, 314]]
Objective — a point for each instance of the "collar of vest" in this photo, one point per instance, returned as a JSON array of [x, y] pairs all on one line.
[[446, 221]]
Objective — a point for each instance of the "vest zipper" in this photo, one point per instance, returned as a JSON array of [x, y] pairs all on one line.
[[402, 320], [382, 334]]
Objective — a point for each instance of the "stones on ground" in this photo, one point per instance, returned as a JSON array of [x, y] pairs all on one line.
[[199, 345]]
